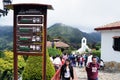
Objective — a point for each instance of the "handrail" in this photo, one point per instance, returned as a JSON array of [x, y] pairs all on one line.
[[56, 75]]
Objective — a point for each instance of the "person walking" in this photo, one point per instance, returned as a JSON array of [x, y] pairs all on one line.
[[66, 71], [57, 62], [92, 69], [78, 59], [89, 59], [81, 60], [85, 59]]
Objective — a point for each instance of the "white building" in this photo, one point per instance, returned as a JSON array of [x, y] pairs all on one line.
[[84, 46], [110, 36]]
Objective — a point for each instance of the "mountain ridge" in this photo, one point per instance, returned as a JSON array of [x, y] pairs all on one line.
[[67, 33], [72, 35]]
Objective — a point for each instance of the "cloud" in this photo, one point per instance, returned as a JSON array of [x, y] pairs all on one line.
[[88, 13]]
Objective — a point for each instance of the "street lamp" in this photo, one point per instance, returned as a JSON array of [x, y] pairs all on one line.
[[5, 9], [6, 2]]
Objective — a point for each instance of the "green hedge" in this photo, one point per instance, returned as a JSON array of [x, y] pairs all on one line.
[[97, 53], [54, 51], [33, 69], [2, 54], [6, 65]]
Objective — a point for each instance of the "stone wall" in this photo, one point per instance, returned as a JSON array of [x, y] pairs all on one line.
[[112, 66]]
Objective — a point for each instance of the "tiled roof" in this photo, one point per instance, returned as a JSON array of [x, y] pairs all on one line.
[[111, 26], [57, 44], [49, 44]]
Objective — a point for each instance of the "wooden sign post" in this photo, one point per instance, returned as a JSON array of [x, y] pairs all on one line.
[[30, 32]]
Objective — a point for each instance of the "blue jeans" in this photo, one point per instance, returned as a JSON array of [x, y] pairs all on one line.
[[92, 79]]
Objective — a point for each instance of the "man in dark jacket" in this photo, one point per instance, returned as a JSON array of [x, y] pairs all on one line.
[[66, 71]]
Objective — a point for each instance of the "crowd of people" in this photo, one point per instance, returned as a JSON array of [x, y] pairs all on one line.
[[66, 63]]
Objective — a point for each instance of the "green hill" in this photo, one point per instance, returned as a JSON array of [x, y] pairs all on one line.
[[66, 33], [72, 35], [6, 37]]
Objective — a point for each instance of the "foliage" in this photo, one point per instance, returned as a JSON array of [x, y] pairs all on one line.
[[54, 51], [64, 32], [33, 69], [96, 53], [68, 50], [49, 38], [98, 46], [6, 38], [1, 54], [6, 65]]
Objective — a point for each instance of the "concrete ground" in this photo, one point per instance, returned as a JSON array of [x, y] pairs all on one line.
[[81, 74]]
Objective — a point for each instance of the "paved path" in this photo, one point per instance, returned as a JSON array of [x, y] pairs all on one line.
[[81, 74]]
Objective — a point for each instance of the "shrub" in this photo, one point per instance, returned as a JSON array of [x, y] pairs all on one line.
[[54, 51], [6, 65], [96, 53], [2, 54], [33, 69]]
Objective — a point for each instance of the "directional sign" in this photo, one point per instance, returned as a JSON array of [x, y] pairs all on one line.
[[30, 33]]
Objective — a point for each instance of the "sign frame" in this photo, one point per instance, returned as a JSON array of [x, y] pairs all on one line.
[[29, 9]]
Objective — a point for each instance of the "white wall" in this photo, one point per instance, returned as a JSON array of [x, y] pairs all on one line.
[[107, 52]]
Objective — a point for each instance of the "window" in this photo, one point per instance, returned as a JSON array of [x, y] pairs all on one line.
[[116, 43]]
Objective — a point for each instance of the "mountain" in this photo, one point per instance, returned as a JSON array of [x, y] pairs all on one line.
[[72, 35], [66, 33], [6, 37]]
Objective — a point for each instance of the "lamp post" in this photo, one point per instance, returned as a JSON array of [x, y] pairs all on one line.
[[5, 10]]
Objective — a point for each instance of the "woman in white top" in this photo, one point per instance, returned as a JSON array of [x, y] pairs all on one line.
[[66, 71]]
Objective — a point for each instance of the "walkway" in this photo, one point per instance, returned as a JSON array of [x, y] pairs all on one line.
[[57, 75], [81, 74]]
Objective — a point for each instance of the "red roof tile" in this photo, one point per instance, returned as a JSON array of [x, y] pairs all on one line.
[[57, 44], [111, 26]]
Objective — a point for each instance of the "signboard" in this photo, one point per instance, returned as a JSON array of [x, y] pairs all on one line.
[[30, 33]]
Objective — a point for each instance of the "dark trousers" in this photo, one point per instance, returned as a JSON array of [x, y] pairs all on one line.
[[78, 63], [66, 79], [81, 63], [92, 79]]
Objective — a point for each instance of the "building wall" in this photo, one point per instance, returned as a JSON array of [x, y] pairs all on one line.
[[107, 52]]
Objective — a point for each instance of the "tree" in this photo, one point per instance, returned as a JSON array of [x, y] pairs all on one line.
[[54, 51], [6, 65], [33, 69], [97, 53], [1, 54]]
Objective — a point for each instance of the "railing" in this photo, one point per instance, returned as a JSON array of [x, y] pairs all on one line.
[[56, 75]]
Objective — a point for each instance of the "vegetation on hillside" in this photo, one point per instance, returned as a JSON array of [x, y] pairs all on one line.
[[71, 35], [67, 34], [6, 38]]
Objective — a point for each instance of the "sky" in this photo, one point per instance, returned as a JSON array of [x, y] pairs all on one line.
[[83, 14]]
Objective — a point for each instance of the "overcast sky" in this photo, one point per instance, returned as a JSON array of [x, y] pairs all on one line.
[[86, 13]]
